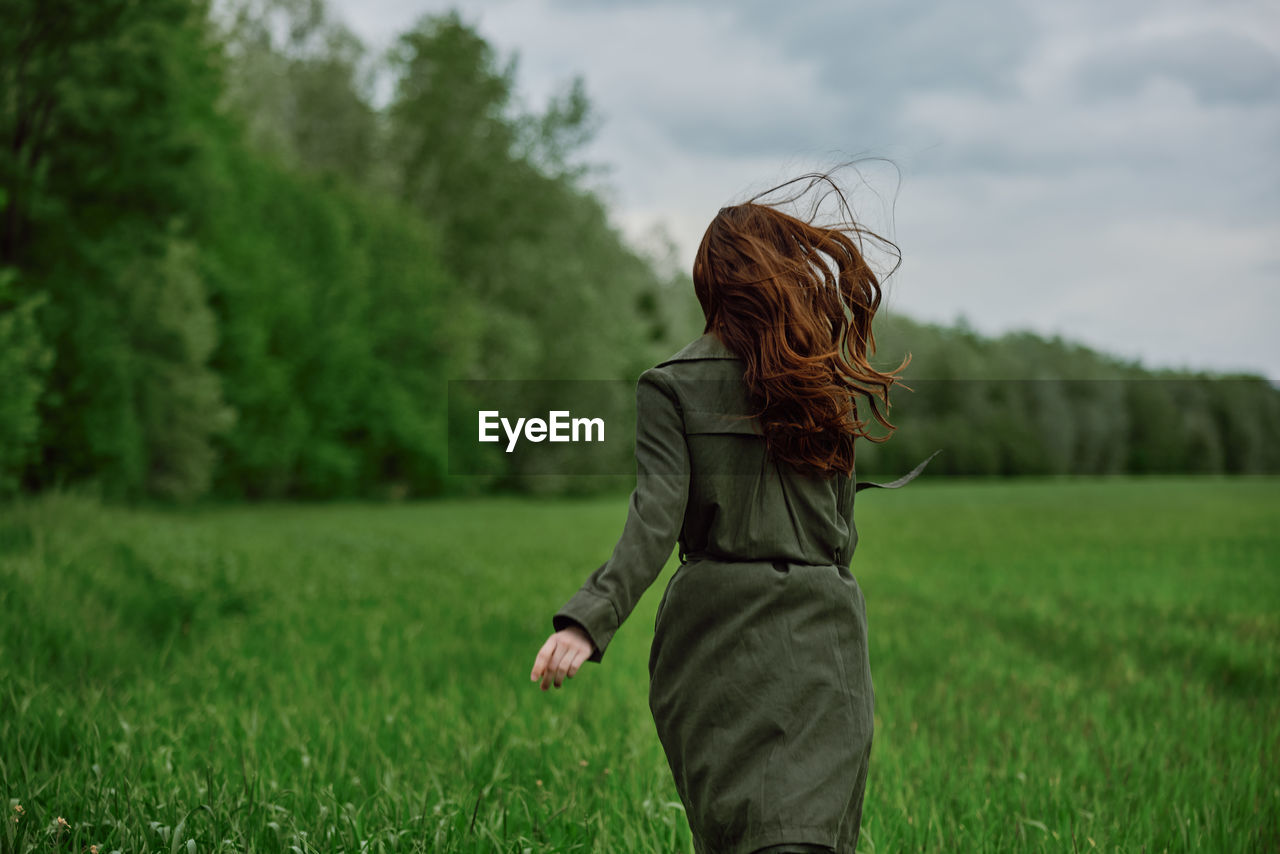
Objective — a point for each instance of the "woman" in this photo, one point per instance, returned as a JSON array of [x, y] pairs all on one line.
[[760, 683]]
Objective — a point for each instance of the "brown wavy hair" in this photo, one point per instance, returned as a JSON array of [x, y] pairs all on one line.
[[795, 300]]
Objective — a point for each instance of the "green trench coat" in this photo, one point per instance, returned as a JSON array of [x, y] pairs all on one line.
[[760, 683]]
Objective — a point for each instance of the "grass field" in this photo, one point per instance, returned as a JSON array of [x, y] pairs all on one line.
[[1059, 666]]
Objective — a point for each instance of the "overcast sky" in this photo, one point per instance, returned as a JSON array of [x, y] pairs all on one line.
[[1106, 171]]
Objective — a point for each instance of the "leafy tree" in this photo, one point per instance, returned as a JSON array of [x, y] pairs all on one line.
[[24, 360], [302, 83], [106, 110], [531, 246], [180, 402], [337, 322]]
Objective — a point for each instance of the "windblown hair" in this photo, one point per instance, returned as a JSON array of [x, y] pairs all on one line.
[[795, 300]]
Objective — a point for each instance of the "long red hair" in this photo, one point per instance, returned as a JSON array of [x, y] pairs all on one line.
[[795, 300]]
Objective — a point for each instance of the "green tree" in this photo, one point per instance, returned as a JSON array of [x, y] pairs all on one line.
[[179, 397], [24, 361], [301, 82], [107, 106], [339, 329], [530, 245]]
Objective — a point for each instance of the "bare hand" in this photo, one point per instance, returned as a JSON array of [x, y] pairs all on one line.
[[561, 656]]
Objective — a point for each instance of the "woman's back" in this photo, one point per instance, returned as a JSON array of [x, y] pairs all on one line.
[[743, 505]]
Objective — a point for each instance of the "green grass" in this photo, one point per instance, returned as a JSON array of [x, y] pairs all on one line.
[[1059, 666]]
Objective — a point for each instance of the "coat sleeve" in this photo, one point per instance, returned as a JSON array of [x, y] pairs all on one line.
[[655, 516]]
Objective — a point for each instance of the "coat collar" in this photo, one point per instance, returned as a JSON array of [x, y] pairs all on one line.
[[706, 346]]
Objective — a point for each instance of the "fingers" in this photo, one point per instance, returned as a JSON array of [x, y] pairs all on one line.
[[567, 667], [544, 658], [579, 656], [544, 667], [559, 664], [560, 658]]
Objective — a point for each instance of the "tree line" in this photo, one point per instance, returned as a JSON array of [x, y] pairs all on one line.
[[1026, 404], [228, 269]]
